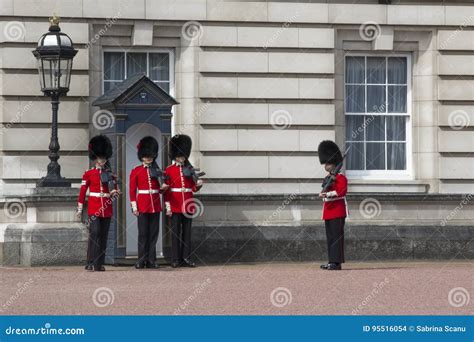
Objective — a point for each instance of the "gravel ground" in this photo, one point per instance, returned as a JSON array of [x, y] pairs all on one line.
[[395, 288]]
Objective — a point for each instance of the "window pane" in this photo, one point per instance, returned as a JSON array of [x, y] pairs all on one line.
[[396, 128], [397, 70], [375, 128], [397, 99], [355, 69], [136, 64], [164, 85], [355, 99], [110, 85], [376, 70], [159, 66], [375, 156], [354, 127], [355, 156], [114, 66], [396, 159], [376, 99]]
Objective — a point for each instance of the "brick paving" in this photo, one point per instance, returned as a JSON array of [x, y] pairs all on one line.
[[395, 288]]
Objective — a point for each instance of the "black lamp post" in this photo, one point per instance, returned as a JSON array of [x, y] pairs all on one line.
[[54, 55]]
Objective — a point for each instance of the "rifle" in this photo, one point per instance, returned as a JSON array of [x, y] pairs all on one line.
[[107, 177], [156, 172], [190, 171], [331, 177]]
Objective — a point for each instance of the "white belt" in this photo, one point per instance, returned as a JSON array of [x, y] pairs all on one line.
[[331, 199], [99, 194], [181, 190], [151, 191]]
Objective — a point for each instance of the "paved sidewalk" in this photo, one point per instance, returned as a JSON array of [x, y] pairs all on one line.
[[403, 288]]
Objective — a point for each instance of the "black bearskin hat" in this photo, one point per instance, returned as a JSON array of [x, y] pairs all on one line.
[[180, 146], [147, 147], [100, 147], [329, 153]]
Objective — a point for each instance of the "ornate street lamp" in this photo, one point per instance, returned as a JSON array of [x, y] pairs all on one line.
[[54, 55]]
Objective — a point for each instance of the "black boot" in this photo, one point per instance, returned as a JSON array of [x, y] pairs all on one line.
[[187, 263], [334, 266], [139, 266]]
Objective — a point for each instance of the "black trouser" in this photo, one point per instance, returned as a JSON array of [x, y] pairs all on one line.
[[335, 239], [181, 237], [148, 230], [98, 233]]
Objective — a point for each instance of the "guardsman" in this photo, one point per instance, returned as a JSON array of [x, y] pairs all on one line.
[[179, 200], [334, 203], [145, 201], [102, 186]]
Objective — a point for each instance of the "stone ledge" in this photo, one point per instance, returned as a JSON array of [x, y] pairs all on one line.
[[44, 244], [392, 197], [308, 243]]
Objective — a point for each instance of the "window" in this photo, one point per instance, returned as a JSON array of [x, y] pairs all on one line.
[[121, 65], [377, 114]]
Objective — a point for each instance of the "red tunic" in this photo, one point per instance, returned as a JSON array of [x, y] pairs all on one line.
[[99, 201], [144, 191], [179, 201], [335, 206]]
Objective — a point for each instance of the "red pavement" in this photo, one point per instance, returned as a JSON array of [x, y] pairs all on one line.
[[403, 288]]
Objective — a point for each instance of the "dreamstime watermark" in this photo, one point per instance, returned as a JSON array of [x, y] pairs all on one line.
[[453, 35], [281, 297], [14, 31], [370, 208], [100, 212], [192, 30], [466, 199], [17, 117], [278, 210], [360, 129], [22, 287], [103, 119], [47, 329], [369, 31], [280, 119], [192, 208], [14, 208], [102, 297], [199, 288], [458, 297], [458, 119], [109, 22], [280, 31], [377, 287]]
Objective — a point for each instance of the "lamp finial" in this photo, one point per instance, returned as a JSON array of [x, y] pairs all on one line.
[[54, 20]]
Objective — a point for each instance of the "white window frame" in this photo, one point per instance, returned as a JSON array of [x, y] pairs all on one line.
[[406, 174], [133, 50]]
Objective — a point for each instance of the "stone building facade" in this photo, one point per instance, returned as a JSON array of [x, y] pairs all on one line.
[[259, 85]]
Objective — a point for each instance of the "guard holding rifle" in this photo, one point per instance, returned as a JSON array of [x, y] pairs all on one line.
[[179, 200], [102, 185], [334, 202], [145, 192]]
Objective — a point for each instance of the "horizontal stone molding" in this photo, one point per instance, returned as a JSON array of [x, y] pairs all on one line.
[[262, 62], [15, 84], [22, 58], [262, 139], [418, 13], [266, 87]]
